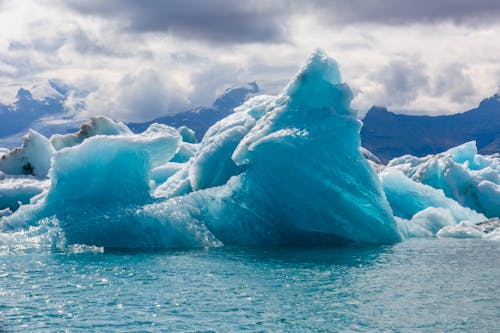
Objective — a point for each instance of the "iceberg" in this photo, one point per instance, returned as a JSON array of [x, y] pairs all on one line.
[[445, 195], [99, 125], [284, 169], [280, 170], [32, 158], [463, 175]]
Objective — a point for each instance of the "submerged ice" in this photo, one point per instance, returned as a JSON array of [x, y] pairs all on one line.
[[285, 169]]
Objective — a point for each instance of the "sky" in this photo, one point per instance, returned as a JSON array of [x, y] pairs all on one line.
[[137, 60]]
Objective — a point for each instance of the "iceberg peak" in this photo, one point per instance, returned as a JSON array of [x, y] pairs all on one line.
[[317, 85]]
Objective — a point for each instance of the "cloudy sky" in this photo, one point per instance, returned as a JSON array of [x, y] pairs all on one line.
[[135, 60]]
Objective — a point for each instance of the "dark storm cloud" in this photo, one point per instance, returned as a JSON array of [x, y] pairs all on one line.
[[219, 20], [409, 11], [266, 21]]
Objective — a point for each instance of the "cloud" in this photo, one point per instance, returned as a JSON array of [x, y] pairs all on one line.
[[227, 21], [454, 81], [402, 80], [397, 12], [138, 96], [217, 20], [141, 59]]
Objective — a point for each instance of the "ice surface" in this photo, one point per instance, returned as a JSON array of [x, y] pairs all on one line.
[[32, 158], [408, 197], [464, 229], [99, 125], [470, 179], [19, 190], [187, 134], [159, 175]]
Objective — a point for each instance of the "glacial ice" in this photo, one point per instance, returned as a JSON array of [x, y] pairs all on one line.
[[464, 229], [15, 191], [99, 125], [187, 134], [408, 197], [32, 158], [285, 169], [470, 179], [458, 184]]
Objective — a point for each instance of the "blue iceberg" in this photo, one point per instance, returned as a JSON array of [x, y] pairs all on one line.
[[281, 170]]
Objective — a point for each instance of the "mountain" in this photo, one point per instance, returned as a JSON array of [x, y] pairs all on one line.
[[26, 109], [43, 109], [389, 135], [200, 119]]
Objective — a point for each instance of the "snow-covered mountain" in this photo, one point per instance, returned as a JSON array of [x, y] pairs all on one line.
[[43, 108]]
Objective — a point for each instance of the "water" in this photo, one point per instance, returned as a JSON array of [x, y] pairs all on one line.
[[429, 285]]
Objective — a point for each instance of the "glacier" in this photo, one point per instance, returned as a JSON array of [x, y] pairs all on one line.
[[281, 170]]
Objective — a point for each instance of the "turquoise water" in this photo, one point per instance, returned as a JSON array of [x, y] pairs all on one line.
[[430, 285]]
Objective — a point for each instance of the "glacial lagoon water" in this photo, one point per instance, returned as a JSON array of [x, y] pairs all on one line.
[[419, 285]]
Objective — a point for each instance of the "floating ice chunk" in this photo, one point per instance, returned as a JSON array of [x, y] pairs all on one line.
[[489, 229], [99, 190], [470, 179], [489, 225], [99, 125], [494, 235], [433, 219], [465, 229], [408, 197], [32, 158]]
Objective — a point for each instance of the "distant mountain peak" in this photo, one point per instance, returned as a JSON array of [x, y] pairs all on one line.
[[23, 95], [235, 96]]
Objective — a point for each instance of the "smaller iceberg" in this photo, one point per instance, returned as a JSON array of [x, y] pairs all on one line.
[[32, 158], [98, 125], [450, 194], [463, 175]]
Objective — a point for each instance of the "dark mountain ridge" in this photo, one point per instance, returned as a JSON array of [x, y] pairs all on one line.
[[389, 135]]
